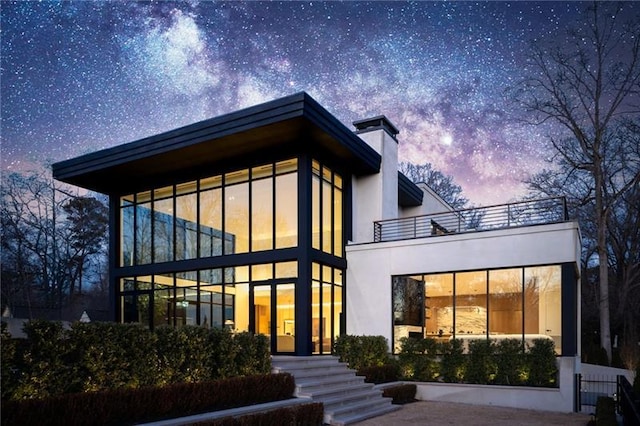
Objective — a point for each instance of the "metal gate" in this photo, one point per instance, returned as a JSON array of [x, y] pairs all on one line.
[[589, 387]]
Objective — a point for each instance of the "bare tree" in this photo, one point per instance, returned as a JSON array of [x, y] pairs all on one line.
[[442, 184], [587, 83], [49, 235]]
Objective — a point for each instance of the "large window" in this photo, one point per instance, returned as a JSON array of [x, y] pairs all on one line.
[[208, 297], [326, 307], [247, 210], [521, 303], [327, 210]]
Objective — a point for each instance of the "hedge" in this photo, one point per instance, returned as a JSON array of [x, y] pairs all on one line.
[[129, 406], [504, 362], [94, 357]]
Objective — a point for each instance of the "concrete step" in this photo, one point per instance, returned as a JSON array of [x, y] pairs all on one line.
[[323, 392], [328, 379], [334, 400], [356, 406], [358, 417], [346, 397]]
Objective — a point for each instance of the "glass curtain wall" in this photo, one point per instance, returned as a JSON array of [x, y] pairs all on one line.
[[521, 303], [208, 297], [248, 210], [240, 212]]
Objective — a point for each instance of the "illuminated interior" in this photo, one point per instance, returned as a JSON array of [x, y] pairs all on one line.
[[246, 211], [521, 303]]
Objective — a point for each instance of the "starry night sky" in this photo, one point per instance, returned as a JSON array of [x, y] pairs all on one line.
[[82, 76]]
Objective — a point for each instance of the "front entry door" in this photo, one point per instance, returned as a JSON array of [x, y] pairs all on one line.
[[273, 307]]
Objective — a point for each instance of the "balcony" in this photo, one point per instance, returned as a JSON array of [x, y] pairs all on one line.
[[503, 216]]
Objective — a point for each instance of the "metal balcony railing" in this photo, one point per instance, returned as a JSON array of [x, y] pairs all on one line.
[[524, 213]]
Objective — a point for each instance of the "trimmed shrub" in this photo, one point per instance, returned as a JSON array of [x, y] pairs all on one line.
[[362, 351], [481, 367], [510, 362], [606, 411], [110, 356], [253, 355], [42, 368], [304, 414], [93, 357], [453, 361], [418, 359], [401, 394], [380, 373], [129, 406], [10, 372], [541, 363]]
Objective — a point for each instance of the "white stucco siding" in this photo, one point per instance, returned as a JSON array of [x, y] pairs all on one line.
[[371, 266], [375, 197]]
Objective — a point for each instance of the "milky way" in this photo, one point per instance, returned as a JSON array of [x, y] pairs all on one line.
[[82, 76]]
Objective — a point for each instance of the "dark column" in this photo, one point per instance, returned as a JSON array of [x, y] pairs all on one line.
[[569, 310], [303, 285], [114, 249]]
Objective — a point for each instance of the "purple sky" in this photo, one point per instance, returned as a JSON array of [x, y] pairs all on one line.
[[82, 76]]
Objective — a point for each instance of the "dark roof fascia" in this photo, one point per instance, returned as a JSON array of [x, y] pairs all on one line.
[[333, 127], [279, 110], [409, 194], [213, 128]]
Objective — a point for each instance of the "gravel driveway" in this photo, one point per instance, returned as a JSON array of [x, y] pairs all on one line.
[[449, 413]]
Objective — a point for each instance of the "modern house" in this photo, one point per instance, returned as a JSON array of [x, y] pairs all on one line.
[[278, 219]]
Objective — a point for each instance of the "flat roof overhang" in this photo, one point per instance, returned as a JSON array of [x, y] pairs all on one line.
[[293, 119]]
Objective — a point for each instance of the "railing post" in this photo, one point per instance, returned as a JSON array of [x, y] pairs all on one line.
[[577, 384], [564, 208]]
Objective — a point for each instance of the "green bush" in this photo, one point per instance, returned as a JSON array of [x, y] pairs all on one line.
[[100, 356], [401, 394], [481, 367], [380, 373], [130, 406], [541, 363], [310, 414], [418, 359], [10, 369], [606, 411], [453, 361], [510, 362], [43, 370], [362, 351], [110, 356]]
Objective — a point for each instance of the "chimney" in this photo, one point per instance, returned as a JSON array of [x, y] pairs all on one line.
[[376, 196]]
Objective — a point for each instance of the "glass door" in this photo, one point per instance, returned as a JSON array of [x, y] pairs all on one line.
[[137, 307], [273, 307], [285, 318]]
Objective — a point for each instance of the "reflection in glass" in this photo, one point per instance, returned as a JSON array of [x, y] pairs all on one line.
[[236, 211], [470, 304], [126, 236], [505, 303], [286, 220], [163, 230], [143, 233], [262, 214], [543, 303], [439, 305], [186, 227], [285, 318]]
